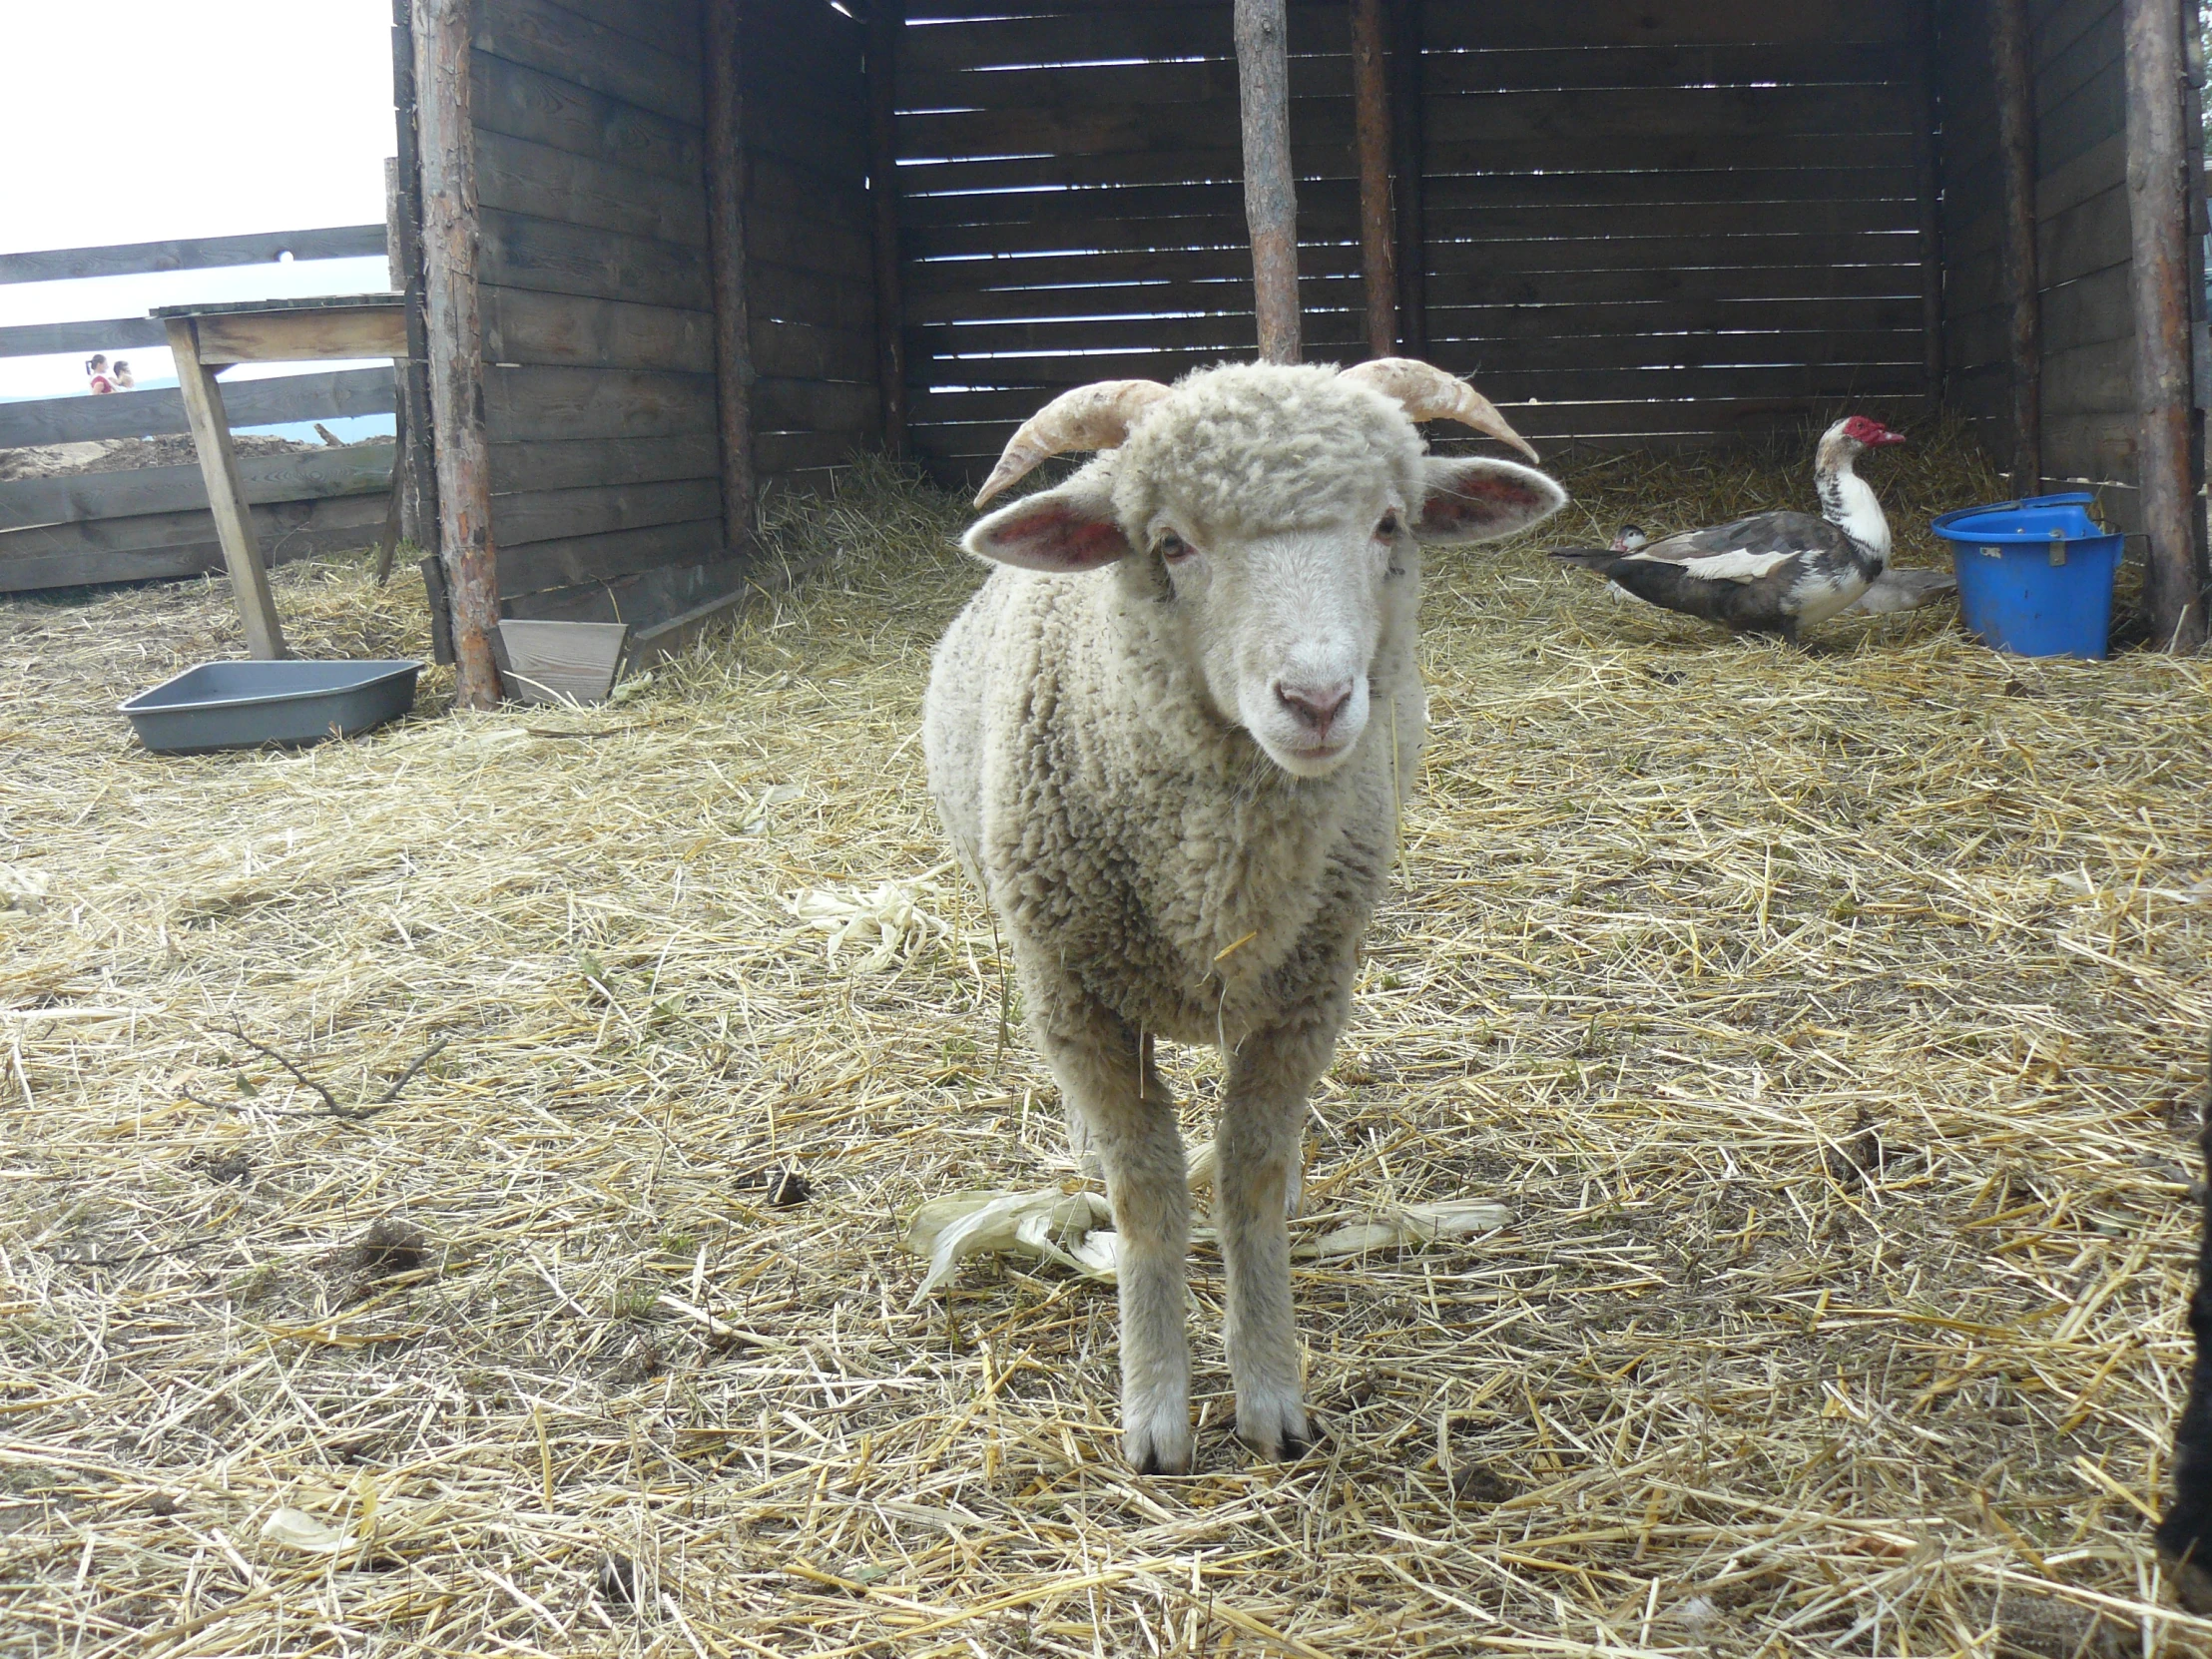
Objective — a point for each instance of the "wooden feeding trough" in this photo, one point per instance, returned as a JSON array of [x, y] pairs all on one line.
[[560, 662]]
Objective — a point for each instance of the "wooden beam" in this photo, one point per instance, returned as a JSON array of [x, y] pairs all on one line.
[[2158, 196], [1410, 162], [1271, 194], [886, 26], [53, 264], [732, 329], [447, 146], [1371, 97], [218, 468], [304, 337], [36, 340], [137, 414], [2012, 61], [418, 475]]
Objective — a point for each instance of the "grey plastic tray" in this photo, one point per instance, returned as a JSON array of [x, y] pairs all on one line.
[[244, 705]]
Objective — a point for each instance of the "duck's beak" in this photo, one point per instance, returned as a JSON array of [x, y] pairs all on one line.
[[1887, 438]]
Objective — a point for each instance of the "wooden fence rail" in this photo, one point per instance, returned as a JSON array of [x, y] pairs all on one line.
[[154, 521]]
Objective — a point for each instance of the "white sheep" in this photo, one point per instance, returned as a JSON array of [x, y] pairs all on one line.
[[1177, 781]]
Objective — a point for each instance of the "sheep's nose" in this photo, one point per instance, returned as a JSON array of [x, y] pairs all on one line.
[[1315, 707]]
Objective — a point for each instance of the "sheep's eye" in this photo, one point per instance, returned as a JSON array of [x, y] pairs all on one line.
[[1387, 528], [1172, 547]]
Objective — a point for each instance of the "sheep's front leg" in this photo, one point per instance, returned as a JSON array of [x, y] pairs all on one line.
[[1106, 1074], [1255, 1179]]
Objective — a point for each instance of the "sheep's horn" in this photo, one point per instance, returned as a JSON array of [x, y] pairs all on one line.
[[1096, 416], [1428, 393]]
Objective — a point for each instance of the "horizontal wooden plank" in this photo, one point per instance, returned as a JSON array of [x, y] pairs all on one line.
[[38, 339], [775, 292], [2091, 236], [526, 326], [815, 406], [545, 515], [1729, 64], [828, 244], [567, 561], [2090, 380], [1052, 132], [941, 276], [350, 470], [559, 403], [580, 464], [984, 301], [2099, 306], [806, 352], [1481, 287], [575, 48], [2084, 118], [1690, 150], [775, 185], [524, 176], [138, 414], [302, 336], [669, 26], [54, 264], [1664, 113], [1447, 26], [549, 256], [104, 550], [778, 454], [522, 103]]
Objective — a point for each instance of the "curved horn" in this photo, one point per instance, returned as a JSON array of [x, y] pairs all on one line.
[[1428, 393], [1096, 416]]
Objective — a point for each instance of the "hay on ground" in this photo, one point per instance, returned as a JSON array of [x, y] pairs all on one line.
[[1832, 1022]]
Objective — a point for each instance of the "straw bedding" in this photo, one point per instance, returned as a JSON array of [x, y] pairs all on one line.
[[1832, 1023]]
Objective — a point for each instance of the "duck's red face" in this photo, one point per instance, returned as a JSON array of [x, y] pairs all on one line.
[[1871, 434]]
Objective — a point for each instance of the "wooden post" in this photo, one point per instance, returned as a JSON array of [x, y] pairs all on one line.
[[2015, 99], [734, 373], [2158, 199], [1270, 193], [1371, 98], [1928, 173], [219, 467], [886, 25], [1410, 160], [447, 142], [416, 466]]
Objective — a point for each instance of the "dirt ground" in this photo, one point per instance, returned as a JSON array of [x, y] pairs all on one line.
[[54, 460], [1832, 1023]]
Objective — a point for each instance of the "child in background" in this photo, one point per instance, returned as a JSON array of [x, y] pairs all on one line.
[[124, 380], [96, 370]]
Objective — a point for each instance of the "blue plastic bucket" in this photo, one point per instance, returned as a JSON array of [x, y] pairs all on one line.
[[2034, 576]]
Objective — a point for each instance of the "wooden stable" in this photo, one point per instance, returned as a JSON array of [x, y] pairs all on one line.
[[672, 253]]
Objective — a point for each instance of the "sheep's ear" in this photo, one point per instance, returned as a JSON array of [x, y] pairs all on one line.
[[1474, 498], [1071, 527]]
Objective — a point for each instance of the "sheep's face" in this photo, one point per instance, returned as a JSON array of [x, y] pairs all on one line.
[[1272, 515]]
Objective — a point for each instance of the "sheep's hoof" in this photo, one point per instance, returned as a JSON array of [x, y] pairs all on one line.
[[1275, 1431], [1159, 1443]]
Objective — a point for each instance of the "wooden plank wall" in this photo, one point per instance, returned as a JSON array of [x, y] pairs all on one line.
[[1676, 219], [598, 351], [1071, 205], [809, 271], [598, 312], [2081, 243], [1665, 220]]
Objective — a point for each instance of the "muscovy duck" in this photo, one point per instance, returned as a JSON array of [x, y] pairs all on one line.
[[1895, 590], [1770, 573]]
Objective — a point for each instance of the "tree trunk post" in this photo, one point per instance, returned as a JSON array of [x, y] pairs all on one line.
[[886, 24], [1371, 96], [2158, 198], [448, 153], [2015, 99], [416, 465], [726, 260], [1928, 173], [1271, 194]]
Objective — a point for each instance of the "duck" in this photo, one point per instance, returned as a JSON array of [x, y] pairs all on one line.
[[1896, 590], [1770, 573]]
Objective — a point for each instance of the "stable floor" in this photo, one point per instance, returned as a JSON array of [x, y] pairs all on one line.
[[1832, 1023]]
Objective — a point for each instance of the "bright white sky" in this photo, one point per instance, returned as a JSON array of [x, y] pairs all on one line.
[[144, 120]]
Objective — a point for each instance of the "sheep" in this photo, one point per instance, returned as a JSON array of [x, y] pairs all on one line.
[[1177, 780]]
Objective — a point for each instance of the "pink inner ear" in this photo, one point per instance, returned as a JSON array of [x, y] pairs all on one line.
[[1477, 498], [1055, 538]]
